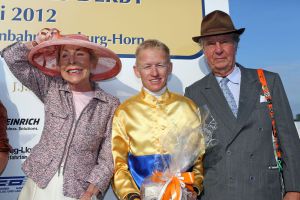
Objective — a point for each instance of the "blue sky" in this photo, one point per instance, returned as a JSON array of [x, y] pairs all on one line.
[[271, 40]]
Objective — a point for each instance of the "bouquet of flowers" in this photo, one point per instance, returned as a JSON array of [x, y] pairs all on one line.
[[185, 145]]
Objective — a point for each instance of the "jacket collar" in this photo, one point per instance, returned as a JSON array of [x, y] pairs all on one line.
[[145, 96], [249, 94], [99, 94]]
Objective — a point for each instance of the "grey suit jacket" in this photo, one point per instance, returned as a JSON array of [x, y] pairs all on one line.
[[237, 168]]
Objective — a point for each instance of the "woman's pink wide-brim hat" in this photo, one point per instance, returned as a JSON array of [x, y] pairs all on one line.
[[44, 56]]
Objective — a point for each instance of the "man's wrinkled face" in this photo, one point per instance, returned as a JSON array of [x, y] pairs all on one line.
[[220, 53]]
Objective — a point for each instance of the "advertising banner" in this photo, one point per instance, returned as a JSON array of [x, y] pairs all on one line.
[[119, 25]]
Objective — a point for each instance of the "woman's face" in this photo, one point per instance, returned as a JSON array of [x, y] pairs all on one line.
[[75, 63]]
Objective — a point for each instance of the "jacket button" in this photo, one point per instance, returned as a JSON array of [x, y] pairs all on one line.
[[260, 129], [252, 178], [228, 152]]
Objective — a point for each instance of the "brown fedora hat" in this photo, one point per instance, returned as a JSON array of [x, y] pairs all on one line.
[[217, 23]]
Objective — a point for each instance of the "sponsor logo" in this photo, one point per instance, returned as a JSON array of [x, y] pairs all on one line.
[[11, 184], [24, 124], [18, 87], [23, 121], [20, 153]]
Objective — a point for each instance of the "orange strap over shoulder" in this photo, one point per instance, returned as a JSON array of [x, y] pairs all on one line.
[[268, 97]]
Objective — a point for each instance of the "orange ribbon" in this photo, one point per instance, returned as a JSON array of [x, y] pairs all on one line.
[[174, 184]]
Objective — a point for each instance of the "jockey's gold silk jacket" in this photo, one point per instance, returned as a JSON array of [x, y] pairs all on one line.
[[138, 125]]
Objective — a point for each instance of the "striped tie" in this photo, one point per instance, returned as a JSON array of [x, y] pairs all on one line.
[[229, 96]]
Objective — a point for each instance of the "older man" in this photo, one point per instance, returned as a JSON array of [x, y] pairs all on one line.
[[142, 120], [242, 166]]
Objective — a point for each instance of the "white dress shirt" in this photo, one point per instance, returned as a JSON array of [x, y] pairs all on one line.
[[234, 83]]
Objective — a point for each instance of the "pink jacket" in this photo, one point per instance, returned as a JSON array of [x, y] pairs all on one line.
[[89, 157]]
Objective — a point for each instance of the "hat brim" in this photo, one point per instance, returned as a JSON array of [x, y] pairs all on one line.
[[44, 57], [238, 31]]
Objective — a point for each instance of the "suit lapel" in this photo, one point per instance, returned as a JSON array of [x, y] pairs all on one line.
[[249, 94], [218, 104]]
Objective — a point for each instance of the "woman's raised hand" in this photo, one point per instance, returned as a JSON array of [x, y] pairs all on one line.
[[46, 34]]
